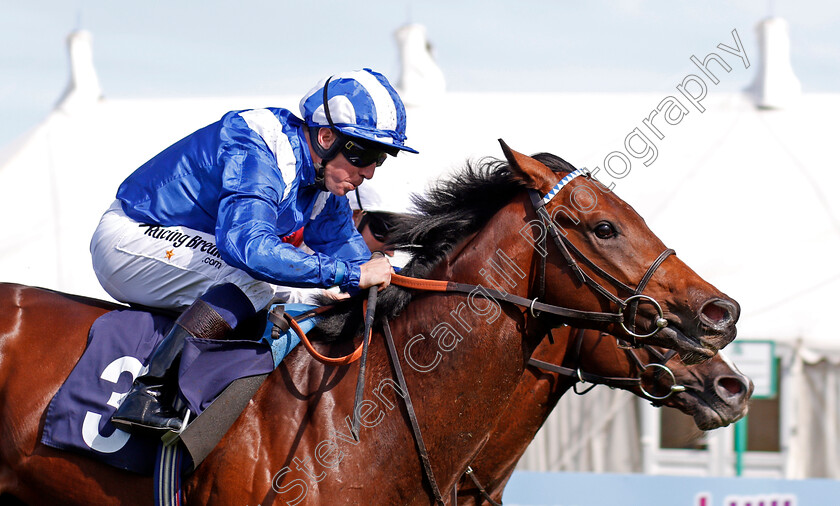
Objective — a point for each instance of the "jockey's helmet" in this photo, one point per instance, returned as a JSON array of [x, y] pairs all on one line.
[[361, 105]]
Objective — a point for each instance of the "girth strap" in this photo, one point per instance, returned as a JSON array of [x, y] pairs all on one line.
[[412, 416]]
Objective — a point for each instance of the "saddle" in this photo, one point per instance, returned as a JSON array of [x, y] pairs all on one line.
[[202, 434], [215, 378]]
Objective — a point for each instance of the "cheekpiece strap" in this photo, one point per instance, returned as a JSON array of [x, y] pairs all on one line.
[[560, 184]]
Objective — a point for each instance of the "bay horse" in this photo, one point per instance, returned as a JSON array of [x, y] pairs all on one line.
[[714, 393], [464, 351]]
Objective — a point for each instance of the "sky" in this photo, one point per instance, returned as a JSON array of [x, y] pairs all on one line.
[[214, 48]]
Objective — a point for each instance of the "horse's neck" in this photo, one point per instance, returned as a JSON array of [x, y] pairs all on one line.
[[496, 256], [536, 397], [532, 402], [484, 259], [482, 371], [604, 358], [518, 426], [451, 399]]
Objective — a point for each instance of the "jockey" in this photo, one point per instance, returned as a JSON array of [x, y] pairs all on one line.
[[201, 226], [371, 219]]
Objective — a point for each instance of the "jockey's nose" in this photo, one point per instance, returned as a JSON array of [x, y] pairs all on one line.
[[367, 172]]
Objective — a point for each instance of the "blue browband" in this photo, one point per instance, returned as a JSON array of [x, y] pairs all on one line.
[[563, 182]]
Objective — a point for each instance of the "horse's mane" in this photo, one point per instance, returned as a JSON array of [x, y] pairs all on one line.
[[450, 211]]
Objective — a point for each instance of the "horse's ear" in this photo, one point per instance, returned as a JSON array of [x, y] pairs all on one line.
[[534, 174]]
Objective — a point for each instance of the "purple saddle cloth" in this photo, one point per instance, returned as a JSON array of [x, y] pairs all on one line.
[[119, 345]]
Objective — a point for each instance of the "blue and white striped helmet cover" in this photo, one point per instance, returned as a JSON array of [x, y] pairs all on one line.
[[362, 104]]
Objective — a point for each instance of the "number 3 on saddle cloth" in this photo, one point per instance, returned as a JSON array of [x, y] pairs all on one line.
[[119, 345]]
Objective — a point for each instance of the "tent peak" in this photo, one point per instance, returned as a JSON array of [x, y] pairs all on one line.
[[83, 88], [775, 85], [421, 79]]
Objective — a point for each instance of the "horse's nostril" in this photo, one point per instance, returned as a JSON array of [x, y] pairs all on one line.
[[719, 312], [731, 385], [714, 312]]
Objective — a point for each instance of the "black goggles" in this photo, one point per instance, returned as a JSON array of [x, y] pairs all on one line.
[[378, 223], [360, 155]]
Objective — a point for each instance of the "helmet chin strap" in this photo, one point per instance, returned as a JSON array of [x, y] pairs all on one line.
[[320, 183], [326, 154]]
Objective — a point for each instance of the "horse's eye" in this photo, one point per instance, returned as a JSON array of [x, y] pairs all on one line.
[[605, 230]]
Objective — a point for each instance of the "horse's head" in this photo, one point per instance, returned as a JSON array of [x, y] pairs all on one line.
[[587, 233], [715, 392]]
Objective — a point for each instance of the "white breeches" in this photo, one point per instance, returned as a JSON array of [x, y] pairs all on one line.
[[164, 267]]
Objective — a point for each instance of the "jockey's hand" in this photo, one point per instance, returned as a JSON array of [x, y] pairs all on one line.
[[377, 271], [335, 295]]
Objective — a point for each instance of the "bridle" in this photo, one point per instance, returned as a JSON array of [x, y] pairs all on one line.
[[570, 252], [535, 307], [583, 377]]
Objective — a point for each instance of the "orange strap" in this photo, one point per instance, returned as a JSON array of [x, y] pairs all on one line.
[[432, 285], [347, 359], [403, 281]]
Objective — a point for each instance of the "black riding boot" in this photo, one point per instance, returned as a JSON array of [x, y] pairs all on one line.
[[148, 406]]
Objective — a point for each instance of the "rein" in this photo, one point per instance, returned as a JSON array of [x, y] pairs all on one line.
[[346, 359], [533, 305], [569, 252]]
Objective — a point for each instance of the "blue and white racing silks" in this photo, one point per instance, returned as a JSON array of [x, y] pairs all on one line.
[[248, 179]]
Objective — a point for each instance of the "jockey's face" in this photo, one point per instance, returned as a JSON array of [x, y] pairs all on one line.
[[340, 176], [375, 240]]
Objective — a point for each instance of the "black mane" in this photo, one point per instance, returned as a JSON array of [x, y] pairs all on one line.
[[450, 211]]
